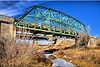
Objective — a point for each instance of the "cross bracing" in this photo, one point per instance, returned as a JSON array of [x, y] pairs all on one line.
[[48, 20]]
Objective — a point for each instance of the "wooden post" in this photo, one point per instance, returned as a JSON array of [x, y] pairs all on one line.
[[14, 31], [35, 44]]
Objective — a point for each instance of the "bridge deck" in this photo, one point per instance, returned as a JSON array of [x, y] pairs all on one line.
[[46, 29]]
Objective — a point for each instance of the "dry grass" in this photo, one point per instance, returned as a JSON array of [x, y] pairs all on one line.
[[98, 41], [41, 60], [14, 54], [81, 57]]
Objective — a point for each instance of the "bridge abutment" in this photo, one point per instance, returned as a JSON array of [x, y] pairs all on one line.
[[6, 27]]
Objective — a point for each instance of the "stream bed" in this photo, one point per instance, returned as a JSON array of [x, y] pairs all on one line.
[[58, 62]]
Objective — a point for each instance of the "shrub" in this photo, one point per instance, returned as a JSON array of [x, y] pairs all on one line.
[[12, 53]]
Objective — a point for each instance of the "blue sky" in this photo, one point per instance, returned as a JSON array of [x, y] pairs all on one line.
[[87, 12]]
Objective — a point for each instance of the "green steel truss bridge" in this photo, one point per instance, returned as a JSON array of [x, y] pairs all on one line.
[[46, 20]]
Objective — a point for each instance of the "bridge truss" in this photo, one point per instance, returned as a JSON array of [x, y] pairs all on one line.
[[48, 20], [42, 19]]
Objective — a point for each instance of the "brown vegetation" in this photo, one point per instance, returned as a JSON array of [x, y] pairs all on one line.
[[14, 54], [81, 57], [98, 41]]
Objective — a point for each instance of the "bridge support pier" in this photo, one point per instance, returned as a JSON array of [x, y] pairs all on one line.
[[6, 29], [6, 26]]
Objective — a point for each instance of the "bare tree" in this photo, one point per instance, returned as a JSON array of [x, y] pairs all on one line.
[[82, 39], [12, 53]]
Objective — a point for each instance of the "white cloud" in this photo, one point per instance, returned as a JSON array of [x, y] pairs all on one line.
[[97, 35], [10, 11], [17, 9], [89, 29]]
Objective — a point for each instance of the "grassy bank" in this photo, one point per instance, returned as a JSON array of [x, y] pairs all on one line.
[[81, 57], [14, 54]]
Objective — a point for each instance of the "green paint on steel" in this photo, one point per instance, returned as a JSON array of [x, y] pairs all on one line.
[[55, 21], [45, 31]]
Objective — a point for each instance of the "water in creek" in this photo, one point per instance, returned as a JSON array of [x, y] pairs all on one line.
[[56, 62], [40, 41], [59, 62]]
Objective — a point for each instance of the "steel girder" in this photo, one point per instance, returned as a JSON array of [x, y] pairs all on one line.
[[40, 17]]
